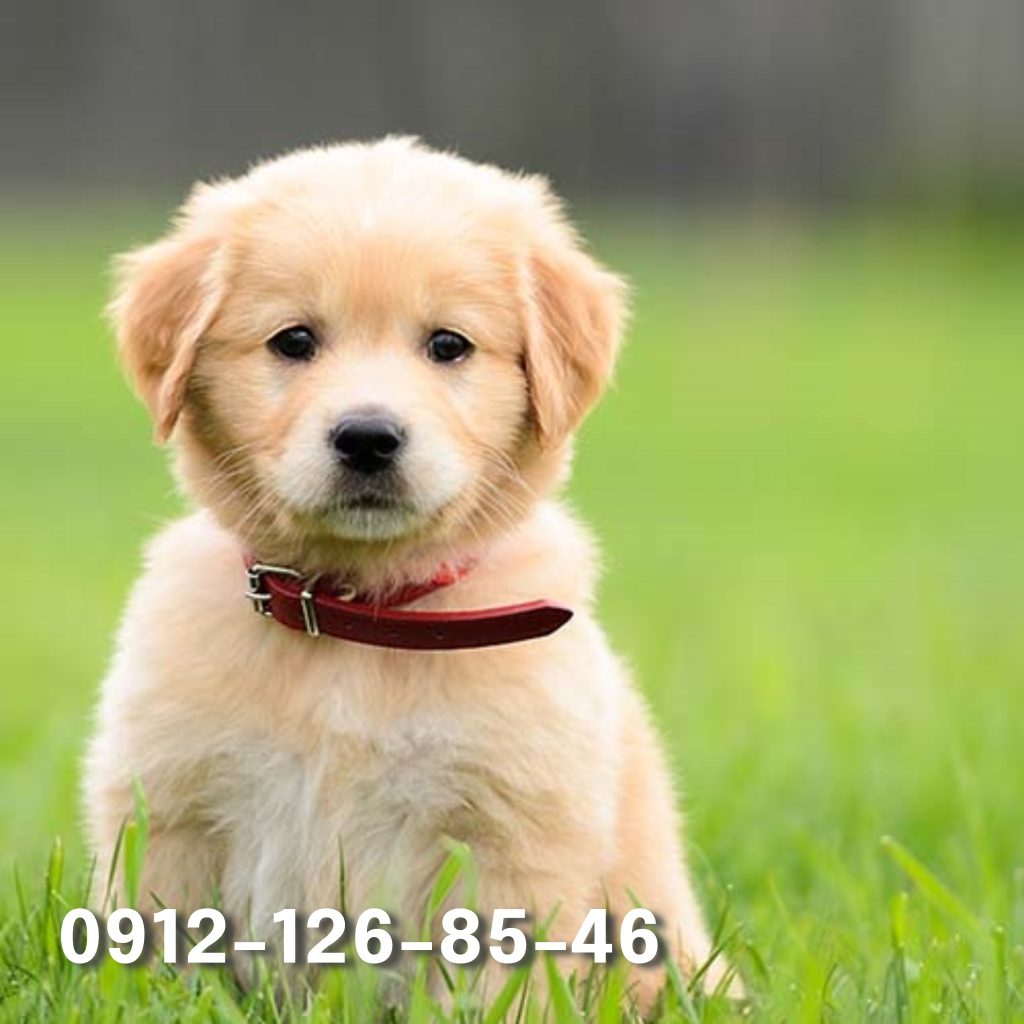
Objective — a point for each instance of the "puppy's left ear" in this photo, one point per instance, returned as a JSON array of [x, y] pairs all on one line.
[[576, 312], [166, 296]]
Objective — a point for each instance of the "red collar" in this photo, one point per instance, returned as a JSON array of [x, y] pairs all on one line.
[[320, 608]]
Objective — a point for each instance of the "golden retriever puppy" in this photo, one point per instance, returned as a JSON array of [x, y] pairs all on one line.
[[371, 360]]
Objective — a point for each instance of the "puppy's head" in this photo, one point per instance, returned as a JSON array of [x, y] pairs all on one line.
[[368, 345]]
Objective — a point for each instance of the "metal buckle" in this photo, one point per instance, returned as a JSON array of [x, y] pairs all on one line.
[[261, 598], [309, 609]]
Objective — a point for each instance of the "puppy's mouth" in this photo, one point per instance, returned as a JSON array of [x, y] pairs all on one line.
[[372, 503], [370, 513], [383, 506]]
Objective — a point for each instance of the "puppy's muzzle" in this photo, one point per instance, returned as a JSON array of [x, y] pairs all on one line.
[[367, 442]]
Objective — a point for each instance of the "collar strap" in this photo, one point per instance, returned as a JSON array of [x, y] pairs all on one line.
[[319, 609]]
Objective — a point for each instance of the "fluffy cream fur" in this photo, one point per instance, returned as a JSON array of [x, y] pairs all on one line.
[[263, 752]]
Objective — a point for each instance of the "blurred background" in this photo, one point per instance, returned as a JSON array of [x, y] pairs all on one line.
[[807, 482], [796, 101]]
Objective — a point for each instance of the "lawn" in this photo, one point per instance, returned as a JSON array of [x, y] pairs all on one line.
[[809, 487]]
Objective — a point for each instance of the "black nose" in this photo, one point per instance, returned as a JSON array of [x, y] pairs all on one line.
[[367, 443]]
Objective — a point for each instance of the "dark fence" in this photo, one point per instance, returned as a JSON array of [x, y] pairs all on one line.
[[780, 99]]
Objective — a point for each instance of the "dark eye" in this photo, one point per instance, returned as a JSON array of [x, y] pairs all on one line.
[[448, 347], [298, 343]]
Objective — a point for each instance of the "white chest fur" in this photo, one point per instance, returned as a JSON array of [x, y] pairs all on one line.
[[363, 814]]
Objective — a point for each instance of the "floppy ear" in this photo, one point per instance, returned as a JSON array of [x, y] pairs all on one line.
[[576, 311], [165, 298]]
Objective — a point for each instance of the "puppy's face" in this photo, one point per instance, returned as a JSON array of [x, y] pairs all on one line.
[[368, 365], [368, 345]]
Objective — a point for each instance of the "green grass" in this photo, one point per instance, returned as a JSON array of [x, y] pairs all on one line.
[[809, 488]]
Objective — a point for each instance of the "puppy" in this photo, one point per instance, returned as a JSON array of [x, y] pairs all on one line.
[[371, 360]]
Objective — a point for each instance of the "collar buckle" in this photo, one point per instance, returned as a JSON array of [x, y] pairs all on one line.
[[260, 596]]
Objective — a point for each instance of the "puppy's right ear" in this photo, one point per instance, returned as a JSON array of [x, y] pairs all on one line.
[[165, 298]]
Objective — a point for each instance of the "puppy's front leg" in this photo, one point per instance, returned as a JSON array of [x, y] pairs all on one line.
[[555, 904], [183, 860]]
